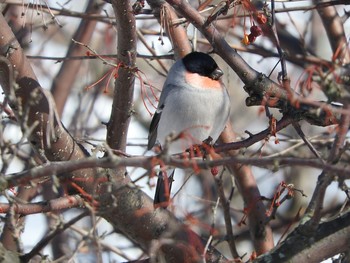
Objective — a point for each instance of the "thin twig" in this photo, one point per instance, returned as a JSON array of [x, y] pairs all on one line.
[[306, 140], [41, 244], [226, 209]]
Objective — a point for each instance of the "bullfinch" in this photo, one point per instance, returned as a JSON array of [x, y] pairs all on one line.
[[194, 106]]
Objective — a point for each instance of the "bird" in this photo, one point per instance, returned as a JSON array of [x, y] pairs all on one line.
[[194, 107]]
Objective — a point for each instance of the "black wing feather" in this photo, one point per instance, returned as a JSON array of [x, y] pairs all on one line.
[[152, 135], [163, 189]]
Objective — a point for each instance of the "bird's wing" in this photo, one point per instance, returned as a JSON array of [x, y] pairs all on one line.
[[152, 134], [168, 88]]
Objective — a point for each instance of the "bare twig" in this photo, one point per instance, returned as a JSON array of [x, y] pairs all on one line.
[[41, 244], [315, 206], [44, 206], [64, 80], [226, 208], [306, 141]]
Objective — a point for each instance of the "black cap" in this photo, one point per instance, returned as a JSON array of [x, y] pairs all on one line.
[[202, 64]]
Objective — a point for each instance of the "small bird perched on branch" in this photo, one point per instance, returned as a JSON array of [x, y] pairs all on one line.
[[194, 106]]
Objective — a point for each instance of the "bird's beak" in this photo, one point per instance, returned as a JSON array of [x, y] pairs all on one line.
[[217, 73]]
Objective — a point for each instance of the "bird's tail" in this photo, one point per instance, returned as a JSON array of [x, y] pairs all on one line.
[[163, 188]]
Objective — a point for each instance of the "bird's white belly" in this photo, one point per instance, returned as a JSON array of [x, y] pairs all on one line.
[[193, 119]]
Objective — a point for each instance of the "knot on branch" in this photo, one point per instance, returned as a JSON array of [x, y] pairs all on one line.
[[264, 92]]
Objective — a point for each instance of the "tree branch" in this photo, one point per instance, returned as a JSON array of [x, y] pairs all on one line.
[[330, 238], [34, 108], [45, 206], [333, 25], [122, 107]]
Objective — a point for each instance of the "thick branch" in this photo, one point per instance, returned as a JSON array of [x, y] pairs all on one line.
[[333, 25], [122, 108], [330, 238], [260, 230], [157, 231], [34, 108]]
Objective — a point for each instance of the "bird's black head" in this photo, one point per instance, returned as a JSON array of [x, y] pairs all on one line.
[[202, 64]]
